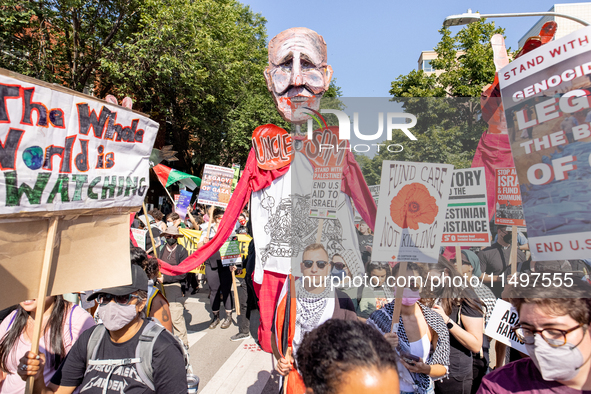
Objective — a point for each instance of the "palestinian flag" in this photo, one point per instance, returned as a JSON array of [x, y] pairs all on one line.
[[283, 330], [167, 176]]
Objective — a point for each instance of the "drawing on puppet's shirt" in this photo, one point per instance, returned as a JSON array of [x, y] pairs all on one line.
[[291, 229]]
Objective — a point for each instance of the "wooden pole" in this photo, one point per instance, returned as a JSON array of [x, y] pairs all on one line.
[[319, 232], [459, 259], [398, 297], [514, 247], [150, 230], [41, 294], [235, 289]]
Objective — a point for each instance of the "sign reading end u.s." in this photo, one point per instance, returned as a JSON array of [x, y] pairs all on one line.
[[62, 150]]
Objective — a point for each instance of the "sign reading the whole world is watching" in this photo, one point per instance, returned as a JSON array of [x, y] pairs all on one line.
[[62, 150]]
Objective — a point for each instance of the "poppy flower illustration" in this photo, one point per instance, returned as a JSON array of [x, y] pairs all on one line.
[[413, 205]]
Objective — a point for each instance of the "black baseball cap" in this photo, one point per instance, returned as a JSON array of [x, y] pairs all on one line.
[[139, 282]]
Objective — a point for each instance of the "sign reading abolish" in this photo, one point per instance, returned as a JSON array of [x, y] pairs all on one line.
[[216, 186], [504, 317], [466, 219], [64, 151], [413, 198]]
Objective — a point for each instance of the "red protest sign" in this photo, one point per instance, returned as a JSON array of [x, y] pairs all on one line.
[[272, 146], [508, 198]]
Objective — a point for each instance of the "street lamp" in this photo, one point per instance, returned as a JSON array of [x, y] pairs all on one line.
[[469, 17]]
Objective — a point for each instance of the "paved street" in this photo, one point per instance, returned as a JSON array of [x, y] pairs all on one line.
[[224, 366]]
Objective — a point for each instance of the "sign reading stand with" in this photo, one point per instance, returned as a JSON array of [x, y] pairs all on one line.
[[411, 211]]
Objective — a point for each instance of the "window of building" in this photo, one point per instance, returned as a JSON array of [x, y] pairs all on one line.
[[427, 67]]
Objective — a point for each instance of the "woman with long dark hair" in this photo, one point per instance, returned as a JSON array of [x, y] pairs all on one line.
[[461, 309], [63, 322]]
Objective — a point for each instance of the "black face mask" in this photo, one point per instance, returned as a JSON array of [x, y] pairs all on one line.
[[171, 241], [508, 238]]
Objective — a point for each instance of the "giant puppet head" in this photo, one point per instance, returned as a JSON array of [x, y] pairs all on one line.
[[297, 74]]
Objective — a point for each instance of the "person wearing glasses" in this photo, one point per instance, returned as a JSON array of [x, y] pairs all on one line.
[[316, 301], [114, 367], [554, 325]]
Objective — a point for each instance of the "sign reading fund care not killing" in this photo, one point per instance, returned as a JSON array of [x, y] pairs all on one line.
[[61, 150], [546, 95], [411, 211], [466, 219]]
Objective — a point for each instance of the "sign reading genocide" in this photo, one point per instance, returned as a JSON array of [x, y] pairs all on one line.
[[466, 219], [61, 151], [216, 186], [411, 211], [508, 198], [504, 317], [546, 94]]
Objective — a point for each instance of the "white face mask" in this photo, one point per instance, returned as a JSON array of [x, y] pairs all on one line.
[[555, 363], [115, 316]]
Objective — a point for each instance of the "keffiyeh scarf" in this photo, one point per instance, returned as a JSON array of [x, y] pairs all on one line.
[[310, 307]]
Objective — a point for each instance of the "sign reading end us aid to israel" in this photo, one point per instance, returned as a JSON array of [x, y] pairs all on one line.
[[62, 150], [466, 219], [546, 95], [411, 211]]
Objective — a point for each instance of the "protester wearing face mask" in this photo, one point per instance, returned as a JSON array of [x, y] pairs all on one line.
[[174, 286], [554, 325], [494, 260], [421, 333], [114, 364], [63, 323], [347, 266]]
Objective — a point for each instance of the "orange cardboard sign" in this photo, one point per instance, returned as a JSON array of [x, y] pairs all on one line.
[[272, 146]]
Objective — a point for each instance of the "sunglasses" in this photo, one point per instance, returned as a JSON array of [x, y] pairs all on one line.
[[338, 265], [320, 263], [104, 299]]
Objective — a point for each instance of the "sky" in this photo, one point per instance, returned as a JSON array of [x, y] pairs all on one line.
[[371, 43]]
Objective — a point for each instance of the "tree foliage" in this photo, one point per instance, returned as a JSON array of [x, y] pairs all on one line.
[[194, 67], [447, 106]]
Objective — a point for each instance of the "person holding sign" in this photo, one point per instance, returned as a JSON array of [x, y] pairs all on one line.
[[420, 329], [63, 324], [554, 325], [114, 363], [461, 309]]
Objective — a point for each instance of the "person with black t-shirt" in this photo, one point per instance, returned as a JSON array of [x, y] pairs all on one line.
[[461, 310], [174, 286], [114, 363]]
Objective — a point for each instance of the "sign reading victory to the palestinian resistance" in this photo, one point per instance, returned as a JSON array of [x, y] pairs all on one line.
[[508, 198], [466, 219], [61, 150], [411, 211], [503, 318], [216, 186], [546, 93]]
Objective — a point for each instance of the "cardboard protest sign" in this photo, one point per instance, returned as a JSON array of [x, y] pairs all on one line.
[[64, 151], [230, 252], [79, 261], [190, 239], [325, 192], [139, 234], [546, 94], [504, 317], [508, 198], [411, 211], [466, 218], [272, 147], [216, 186], [183, 203]]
